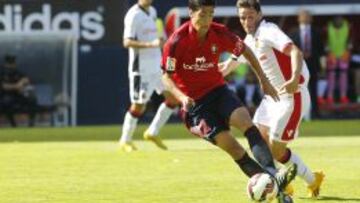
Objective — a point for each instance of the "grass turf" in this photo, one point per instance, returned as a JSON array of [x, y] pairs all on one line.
[[83, 164]]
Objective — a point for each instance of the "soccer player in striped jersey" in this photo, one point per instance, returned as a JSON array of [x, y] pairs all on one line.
[[283, 64]]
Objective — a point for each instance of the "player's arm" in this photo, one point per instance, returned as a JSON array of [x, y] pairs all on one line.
[[132, 43], [10, 87], [228, 66], [186, 101], [237, 47], [280, 41], [296, 56], [169, 67], [18, 86], [264, 82]]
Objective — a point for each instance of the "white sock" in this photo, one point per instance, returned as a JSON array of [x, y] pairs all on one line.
[[130, 123], [302, 170], [162, 116], [250, 91]]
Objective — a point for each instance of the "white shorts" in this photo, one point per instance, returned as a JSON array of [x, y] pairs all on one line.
[[283, 117], [142, 86]]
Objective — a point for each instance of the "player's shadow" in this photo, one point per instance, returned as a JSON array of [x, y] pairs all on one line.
[[333, 198]]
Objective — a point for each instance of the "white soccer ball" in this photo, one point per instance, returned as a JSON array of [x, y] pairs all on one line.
[[262, 188]]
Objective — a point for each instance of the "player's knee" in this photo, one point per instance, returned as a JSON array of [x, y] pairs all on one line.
[[279, 154], [170, 100], [241, 119], [137, 110], [171, 103]]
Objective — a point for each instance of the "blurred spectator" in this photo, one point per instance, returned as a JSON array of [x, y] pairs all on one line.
[[16, 92], [338, 58], [307, 38]]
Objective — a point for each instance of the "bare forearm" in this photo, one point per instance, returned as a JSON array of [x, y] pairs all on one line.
[[171, 87], [142, 44], [228, 66], [296, 63], [254, 63], [135, 44]]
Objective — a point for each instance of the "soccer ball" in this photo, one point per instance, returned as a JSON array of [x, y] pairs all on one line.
[[262, 188]]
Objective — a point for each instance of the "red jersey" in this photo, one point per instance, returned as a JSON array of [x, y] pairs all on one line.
[[193, 64]]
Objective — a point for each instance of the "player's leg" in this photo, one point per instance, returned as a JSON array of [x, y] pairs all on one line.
[[286, 156], [229, 144], [162, 115], [312, 179], [232, 110], [203, 121], [282, 129], [130, 123], [240, 119], [209, 118], [136, 110]]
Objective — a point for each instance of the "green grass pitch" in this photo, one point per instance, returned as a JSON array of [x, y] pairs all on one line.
[[83, 165]]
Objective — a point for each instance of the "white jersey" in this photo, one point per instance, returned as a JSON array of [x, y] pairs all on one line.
[[141, 25], [267, 44], [283, 117]]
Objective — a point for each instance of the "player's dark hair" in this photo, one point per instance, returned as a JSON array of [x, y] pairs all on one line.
[[254, 4], [196, 4]]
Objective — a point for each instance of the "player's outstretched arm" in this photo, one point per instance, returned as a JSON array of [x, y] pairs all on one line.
[[292, 85], [228, 66], [264, 82], [127, 43], [186, 101]]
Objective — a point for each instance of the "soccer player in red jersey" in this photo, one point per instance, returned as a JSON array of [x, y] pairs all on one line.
[[191, 73]]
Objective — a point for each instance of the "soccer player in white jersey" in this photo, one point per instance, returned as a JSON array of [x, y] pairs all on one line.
[[283, 65], [144, 42]]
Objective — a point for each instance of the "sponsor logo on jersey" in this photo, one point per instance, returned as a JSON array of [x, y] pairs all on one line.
[[85, 25], [200, 60], [200, 65]]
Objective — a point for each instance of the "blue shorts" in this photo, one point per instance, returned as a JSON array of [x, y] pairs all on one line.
[[210, 115]]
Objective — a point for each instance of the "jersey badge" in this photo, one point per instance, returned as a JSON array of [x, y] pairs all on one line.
[[214, 48], [170, 64]]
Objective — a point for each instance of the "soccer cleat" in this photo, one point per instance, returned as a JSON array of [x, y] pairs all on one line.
[[155, 139], [314, 188], [283, 198], [128, 147], [289, 190], [285, 176]]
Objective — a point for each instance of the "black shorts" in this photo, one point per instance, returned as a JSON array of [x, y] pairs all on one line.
[[210, 115]]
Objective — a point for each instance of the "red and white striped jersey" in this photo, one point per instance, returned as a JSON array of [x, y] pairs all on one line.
[[268, 44]]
